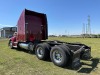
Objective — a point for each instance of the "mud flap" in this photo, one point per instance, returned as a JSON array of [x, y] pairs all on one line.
[[75, 60]]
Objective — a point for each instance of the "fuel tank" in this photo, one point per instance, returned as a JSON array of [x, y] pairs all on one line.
[[23, 45]]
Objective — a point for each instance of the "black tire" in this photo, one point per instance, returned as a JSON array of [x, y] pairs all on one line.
[[18, 47], [42, 51], [11, 44], [65, 48], [64, 56]]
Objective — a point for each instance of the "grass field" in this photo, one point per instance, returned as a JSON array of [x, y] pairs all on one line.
[[14, 62]]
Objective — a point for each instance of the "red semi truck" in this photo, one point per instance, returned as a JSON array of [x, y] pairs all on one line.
[[32, 32]]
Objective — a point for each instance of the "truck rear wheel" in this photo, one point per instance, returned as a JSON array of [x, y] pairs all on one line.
[[42, 51], [59, 56]]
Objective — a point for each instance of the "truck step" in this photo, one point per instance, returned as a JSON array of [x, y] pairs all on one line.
[[15, 46]]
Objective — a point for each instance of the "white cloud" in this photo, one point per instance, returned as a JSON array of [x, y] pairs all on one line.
[[5, 25]]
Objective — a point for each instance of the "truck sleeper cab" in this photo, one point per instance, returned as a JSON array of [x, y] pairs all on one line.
[[32, 32]]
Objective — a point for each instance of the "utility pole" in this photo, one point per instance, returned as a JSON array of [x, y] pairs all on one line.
[[89, 27], [86, 29]]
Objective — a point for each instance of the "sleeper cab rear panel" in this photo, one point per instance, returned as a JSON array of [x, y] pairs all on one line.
[[32, 24]]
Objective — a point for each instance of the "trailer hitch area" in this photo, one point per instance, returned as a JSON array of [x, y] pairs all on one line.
[[86, 54], [75, 59]]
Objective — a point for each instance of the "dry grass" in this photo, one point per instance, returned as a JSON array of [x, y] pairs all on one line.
[[14, 62]]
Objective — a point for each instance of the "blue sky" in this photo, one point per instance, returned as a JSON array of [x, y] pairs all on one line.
[[64, 16]]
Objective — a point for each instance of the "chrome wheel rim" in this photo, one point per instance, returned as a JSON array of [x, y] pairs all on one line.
[[10, 44], [40, 51], [57, 56]]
